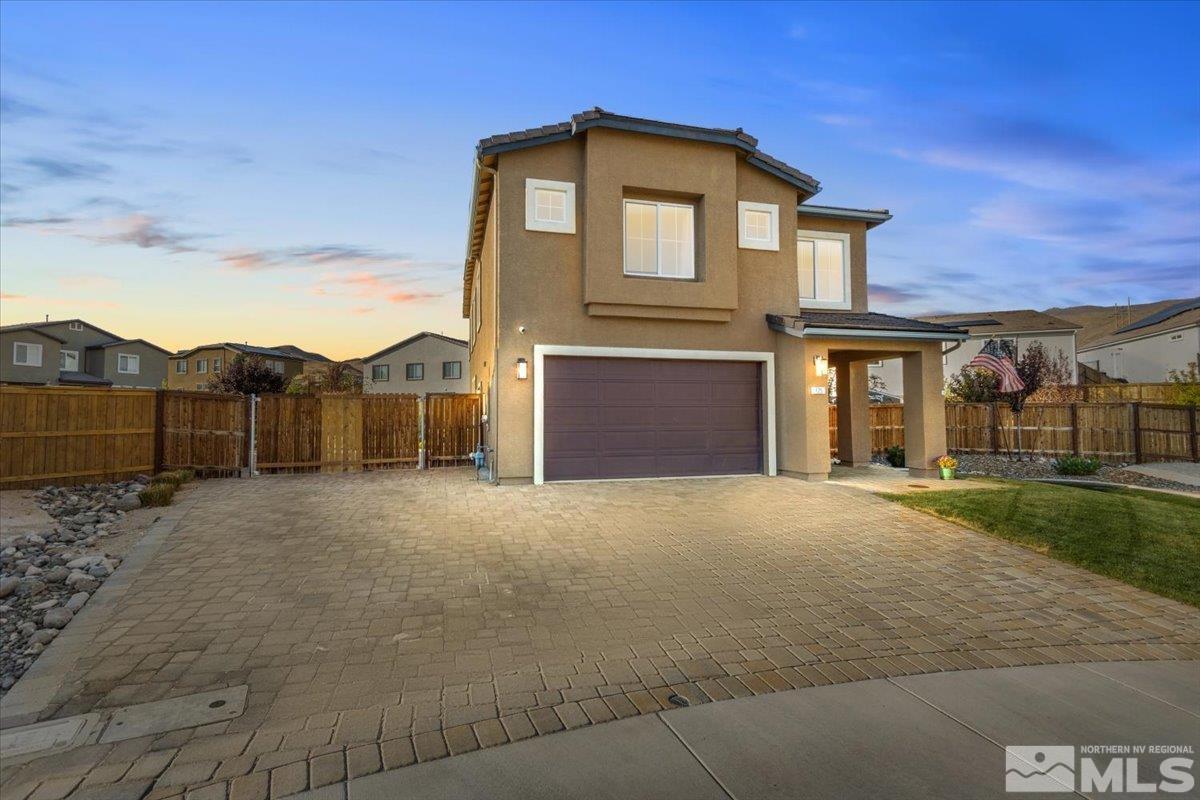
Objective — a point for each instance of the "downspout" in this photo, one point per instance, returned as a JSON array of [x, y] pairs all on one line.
[[952, 348], [494, 411]]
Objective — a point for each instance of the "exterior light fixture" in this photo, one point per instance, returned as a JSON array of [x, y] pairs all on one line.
[[821, 364], [522, 369]]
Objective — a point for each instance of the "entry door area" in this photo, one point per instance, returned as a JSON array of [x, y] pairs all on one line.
[[646, 418]]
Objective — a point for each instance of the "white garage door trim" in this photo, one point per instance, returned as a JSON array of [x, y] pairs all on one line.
[[540, 351]]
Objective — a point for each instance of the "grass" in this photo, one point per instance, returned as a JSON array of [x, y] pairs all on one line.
[[158, 493], [1146, 539]]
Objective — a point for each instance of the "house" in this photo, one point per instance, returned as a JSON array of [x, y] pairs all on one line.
[[426, 362], [316, 364], [651, 299], [1017, 330], [77, 353], [192, 369], [1138, 344]]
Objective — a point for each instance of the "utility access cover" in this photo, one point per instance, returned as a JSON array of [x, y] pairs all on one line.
[[53, 734], [178, 712]]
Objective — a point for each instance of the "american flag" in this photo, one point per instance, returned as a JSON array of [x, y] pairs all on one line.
[[993, 359]]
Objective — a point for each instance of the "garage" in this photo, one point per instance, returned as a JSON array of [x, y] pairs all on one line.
[[650, 418]]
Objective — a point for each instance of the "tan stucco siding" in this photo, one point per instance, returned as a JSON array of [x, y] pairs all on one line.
[[429, 351], [193, 380]]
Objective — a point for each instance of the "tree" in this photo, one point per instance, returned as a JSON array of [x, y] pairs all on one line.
[[337, 377], [1185, 386], [973, 385], [247, 375]]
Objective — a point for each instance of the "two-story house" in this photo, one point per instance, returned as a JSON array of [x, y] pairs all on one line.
[[650, 299], [193, 369], [73, 352], [1016, 330], [423, 363]]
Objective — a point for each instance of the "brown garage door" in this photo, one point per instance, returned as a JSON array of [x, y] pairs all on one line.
[[641, 418]]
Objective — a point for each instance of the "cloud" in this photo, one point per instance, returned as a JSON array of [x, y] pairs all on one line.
[[141, 230], [51, 168], [327, 255], [843, 120], [15, 110], [10, 296], [882, 293], [362, 310], [392, 287], [1065, 220]]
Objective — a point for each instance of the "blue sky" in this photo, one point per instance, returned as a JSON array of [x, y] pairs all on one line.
[[300, 173]]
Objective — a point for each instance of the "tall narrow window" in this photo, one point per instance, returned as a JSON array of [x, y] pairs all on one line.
[[823, 263], [660, 239], [201, 366]]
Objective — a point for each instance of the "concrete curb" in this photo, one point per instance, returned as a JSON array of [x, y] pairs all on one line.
[[29, 700]]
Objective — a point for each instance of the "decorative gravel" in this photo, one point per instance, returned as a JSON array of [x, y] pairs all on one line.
[[1040, 467]]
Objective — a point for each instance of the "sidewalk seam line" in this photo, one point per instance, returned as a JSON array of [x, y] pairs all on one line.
[[1135, 688], [696, 756], [950, 716]]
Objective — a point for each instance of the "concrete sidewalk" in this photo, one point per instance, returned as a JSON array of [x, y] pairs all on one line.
[[938, 735]]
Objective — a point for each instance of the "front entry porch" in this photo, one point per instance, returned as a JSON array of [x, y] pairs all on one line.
[[809, 345]]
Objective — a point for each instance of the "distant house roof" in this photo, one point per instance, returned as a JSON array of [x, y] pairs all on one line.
[[815, 322], [1021, 321], [248, 349], [1162, 317], [30, 326], [299, 353], [82, 379], [49, 322], [127, 342], [410, 340]]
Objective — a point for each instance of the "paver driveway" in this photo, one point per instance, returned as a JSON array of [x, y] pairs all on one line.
[[385, 617]]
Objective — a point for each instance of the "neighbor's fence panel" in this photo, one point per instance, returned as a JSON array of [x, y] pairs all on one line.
[[287, 433], [1130, 392], [1168, 433], [204, 431], [67, 435], [451, 428], [391, 431]]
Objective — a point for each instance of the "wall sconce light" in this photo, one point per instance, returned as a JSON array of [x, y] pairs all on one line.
[[821, 364], [522, 369]]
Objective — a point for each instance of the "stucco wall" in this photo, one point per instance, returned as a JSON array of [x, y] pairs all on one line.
[[545, 282], [47, 373], [1146, 360], [430, 351], [152, 367], [482, 331]]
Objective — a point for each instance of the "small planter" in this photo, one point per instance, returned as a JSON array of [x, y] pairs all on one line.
[[947, 473]]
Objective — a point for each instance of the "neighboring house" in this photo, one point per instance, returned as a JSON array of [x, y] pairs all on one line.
[[648, 299], [317, 364], [193, 369], [1017, 329], [426, 362], [74, 352], [1138, 344]]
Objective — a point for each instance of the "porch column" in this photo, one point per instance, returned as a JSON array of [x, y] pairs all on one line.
[[924, 410], [853, 414], [802, 418]]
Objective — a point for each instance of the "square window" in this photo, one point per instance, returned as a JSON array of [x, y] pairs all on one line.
[[823, 266], [68, 360], [414, 372], [129, 364], [758, 226], [27, 355], [381, 372], [549, 206], [181, 367], [451, 370], [660, 239], [75, 326]]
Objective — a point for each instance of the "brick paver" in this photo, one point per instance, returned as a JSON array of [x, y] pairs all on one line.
[[385, 618]]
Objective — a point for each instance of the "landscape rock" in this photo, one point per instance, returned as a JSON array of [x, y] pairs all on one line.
[[128, 503], [44, 636], [57, 617], [77, 601], [82, 582], [8, 585]]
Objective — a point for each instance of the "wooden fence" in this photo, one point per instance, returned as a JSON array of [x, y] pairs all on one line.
[[1111, 432], [1162, 393], [66, 435]]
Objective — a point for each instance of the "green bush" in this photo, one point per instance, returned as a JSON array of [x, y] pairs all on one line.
[[895, 455], [171, 479], [186, 475], [158, 493], [1076, 465]]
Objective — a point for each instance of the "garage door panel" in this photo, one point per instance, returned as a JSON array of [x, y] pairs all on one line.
[[639, 418]]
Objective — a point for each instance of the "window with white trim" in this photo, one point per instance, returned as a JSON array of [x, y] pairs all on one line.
[[129, 364], [549, 206], [381, 372], [26, 354], [201, 366], [68, 361], [181, 367], [75, 326], [823, 263], [758, 226], [875, 363], [660, 239]]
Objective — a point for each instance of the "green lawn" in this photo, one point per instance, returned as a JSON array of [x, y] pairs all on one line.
[[1146, 539]]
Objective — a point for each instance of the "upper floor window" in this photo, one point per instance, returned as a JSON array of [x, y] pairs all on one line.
[[276, 367], [823, 261], [68, 360], [128, 363], [181, 367], [660, 239], [75, 326], [216, 365], [27, 355], [201, 366], [414, 372], [451, 370], [381, 372], [758, 226], [549, 206]]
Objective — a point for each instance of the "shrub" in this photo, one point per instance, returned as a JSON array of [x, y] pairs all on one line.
[[1076, 465], [171, 478], [157, 494], [895, 455], [186, 475]]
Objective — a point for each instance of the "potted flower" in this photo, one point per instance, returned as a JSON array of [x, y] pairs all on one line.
[[947, 464]]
